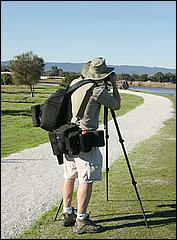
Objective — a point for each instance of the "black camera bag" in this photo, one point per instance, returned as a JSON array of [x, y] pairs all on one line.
[[68, 139]]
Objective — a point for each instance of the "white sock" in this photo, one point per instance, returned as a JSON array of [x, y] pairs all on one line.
[[81, 216], [67, 210]]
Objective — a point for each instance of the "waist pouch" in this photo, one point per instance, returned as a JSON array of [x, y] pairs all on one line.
[[69, 140], [91, 139]]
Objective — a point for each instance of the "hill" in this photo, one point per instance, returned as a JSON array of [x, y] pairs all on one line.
[[77, 67]]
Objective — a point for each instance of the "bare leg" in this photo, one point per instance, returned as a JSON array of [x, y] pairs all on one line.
[[68, 187], [83, 197]]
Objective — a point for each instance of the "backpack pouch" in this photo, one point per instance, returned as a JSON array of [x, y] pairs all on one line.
[[52, 109]]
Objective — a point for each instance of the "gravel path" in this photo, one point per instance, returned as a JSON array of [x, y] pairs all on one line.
[[31, 180]]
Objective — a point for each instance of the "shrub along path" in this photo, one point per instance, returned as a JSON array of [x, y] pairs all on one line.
[[32, 179]]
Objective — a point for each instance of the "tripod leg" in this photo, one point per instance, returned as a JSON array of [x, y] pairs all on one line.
[[58, 210], [106, 143], [128, 164]]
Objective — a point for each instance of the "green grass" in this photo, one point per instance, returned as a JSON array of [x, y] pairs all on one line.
[[16, 122], [153, 163]]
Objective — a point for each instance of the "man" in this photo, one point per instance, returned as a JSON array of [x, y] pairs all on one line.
[[87, 166], [125, 85]]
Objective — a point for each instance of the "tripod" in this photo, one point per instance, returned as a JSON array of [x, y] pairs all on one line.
[[125, 154], [107, 168]]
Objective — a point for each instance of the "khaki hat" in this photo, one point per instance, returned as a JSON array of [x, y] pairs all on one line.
[[96, 69]]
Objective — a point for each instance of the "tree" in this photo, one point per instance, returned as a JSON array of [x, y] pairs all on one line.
[[26, 69], [127, 76], [151, 78], [54, 71], [120, 76], [159, 77], [135, 77], [170, 77], [144, 77], [6, 79], [61, 72], [124, 76]]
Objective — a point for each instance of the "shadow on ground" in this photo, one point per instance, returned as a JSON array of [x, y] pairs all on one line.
[[165, 217]]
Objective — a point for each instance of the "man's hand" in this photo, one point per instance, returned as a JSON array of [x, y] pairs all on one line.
[[113, 78]]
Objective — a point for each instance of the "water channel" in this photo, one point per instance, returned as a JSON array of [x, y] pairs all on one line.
[[167, 91]]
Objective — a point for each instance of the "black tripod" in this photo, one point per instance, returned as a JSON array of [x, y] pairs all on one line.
[[125, 154], [107, 168]]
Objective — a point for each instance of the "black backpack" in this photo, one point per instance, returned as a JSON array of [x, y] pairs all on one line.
[[55, 115], [56, 111]]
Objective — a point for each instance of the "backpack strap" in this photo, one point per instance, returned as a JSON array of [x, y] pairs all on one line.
[[83, 105], [74, 87], [79, 84]]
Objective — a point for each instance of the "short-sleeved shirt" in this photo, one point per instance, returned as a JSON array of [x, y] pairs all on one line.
[[87, 166], [100, 96]]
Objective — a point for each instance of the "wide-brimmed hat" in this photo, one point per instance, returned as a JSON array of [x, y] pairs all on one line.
[[96, 69]]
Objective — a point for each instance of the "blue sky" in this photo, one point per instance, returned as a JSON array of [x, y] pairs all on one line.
[[139, 33]]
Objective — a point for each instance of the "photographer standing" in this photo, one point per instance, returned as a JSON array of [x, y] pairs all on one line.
[[87, 166]]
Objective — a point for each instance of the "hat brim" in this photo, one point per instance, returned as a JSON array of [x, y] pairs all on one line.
[[98, 76]]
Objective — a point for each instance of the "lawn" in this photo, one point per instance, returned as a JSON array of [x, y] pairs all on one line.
[[153, 163], [16, 122]]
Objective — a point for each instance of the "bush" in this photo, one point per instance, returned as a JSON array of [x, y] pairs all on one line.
[[69, 77], [6, 79]]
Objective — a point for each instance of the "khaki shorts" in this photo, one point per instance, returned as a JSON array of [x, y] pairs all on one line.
[[87, 166]]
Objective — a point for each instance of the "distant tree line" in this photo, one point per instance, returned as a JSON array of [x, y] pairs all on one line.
[[157, 77], [27, 69], [54, 71]]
